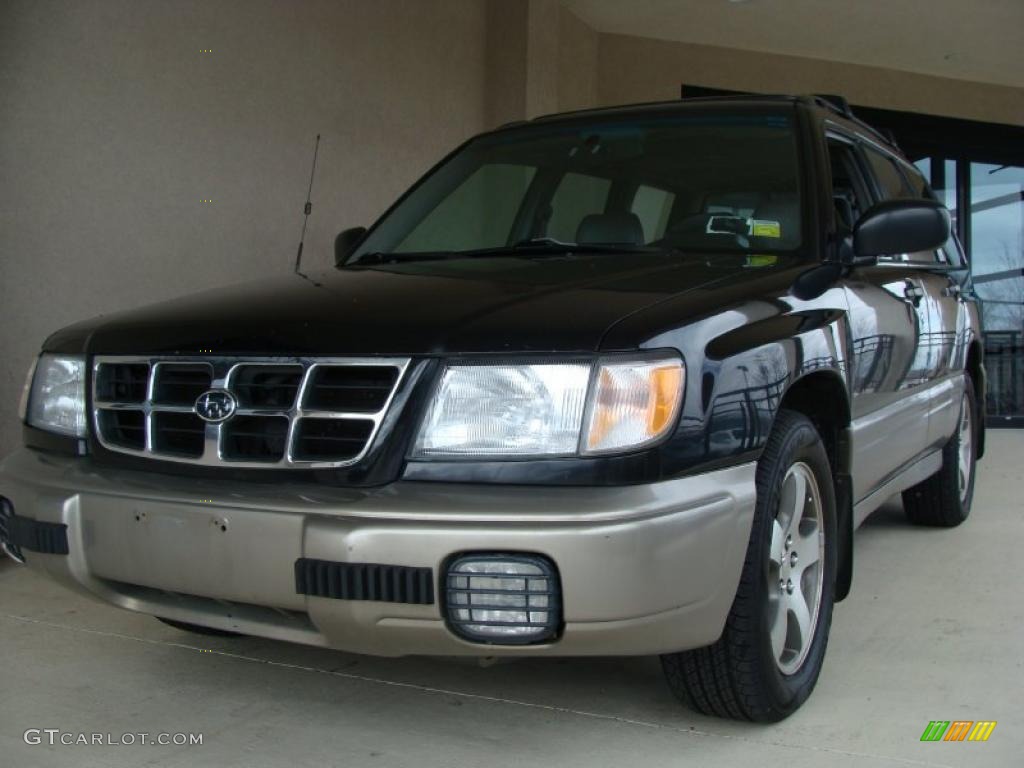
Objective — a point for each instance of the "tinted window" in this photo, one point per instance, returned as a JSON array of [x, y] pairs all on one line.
[[895, 186], [892, 182], [693, 181], [849, 195], [653, 206], [918, 184], [488, 197], [576, 196]]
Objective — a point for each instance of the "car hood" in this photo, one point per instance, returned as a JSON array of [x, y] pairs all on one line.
[[457, 306]]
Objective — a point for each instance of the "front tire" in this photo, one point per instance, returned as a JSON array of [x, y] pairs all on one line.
[[944, 499], [767, 661]]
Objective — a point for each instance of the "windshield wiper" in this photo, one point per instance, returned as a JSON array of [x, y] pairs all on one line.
[[379, 257], [545, 244], [538, 247], [531, 248]]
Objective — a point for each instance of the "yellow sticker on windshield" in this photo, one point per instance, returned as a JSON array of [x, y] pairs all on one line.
[[765, 228], [762, 260]]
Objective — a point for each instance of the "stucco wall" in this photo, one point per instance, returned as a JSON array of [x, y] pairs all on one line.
[[577, 63], [540, 59], [114, 127]]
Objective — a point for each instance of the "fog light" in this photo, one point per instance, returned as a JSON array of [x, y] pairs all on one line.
[[6, 536], [503, 599]]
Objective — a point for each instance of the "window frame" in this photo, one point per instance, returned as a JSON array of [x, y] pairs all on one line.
[[941, 261], [834, 134]]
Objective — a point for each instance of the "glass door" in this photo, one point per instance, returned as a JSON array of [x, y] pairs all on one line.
[[997, 264]]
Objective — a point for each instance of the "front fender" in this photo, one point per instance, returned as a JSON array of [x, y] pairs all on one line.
[[741, 363]]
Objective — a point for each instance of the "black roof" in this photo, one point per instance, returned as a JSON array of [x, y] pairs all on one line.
[[836, 106]]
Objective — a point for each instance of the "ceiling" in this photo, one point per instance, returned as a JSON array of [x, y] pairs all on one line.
[[980, 40]]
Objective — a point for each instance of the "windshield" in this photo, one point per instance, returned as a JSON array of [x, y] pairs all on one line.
[[707, 183]]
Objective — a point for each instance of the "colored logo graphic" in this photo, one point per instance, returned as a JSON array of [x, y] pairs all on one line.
[[958, 730]]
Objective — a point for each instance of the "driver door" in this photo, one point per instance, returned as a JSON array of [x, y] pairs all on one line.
[[889, 363]]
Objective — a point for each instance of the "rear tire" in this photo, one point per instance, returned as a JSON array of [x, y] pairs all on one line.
[[944, 499], [196, 629], [767, 661]]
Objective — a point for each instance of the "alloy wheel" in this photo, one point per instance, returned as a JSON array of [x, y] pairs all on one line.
[[796, 563]]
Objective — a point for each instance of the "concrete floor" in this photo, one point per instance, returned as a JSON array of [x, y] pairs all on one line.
[[934, 630]]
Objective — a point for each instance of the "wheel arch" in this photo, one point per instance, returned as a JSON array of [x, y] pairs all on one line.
[[974, 365], [823, 398]]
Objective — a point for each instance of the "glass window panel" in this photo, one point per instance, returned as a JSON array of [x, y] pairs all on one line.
[[947, 191], [652, 206], [990, 181], [578, 195], [477, 214], [889, 177], [918, 182], [997, 258], [541, 180], [940, 175]]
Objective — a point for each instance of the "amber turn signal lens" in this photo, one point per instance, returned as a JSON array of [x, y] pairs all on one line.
[[634, 403]]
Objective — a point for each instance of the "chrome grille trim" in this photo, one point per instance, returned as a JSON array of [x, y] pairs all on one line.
[[223, 372]]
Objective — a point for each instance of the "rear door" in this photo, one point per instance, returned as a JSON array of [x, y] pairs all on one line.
[[889, 376]]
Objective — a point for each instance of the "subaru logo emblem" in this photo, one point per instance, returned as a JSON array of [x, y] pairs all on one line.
[[215, 406]]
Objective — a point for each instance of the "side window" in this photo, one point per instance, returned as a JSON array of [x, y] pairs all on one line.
[[894, 185], [577, 195], [489, 199], [890, 179], [951, 252], [918, 183], [652, 206], [849, 192]]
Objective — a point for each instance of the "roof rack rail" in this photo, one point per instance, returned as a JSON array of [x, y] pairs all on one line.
[[841, 106], [836, 103]]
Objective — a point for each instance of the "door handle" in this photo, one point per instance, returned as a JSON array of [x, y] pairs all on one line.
[[951, 290], [913, 291]]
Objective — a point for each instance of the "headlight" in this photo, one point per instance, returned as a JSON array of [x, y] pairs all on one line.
[[633, 404], [56, 399], [550, 409], [506, 410]]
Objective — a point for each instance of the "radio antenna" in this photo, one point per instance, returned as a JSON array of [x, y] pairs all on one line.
[[308, 208]]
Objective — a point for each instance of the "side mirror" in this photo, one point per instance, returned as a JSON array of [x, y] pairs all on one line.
[[346, 242], [900, 226]]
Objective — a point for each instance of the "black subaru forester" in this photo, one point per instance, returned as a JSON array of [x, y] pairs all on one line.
[[622, 381]]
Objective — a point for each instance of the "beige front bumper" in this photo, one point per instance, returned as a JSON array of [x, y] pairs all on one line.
[[644, 569]]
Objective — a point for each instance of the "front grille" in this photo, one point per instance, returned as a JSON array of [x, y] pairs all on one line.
[[124, 429], [259, 386], [316, 439], [123, 382], [176, 384], [257, 438], [180, 433], [360, 390], [291, 412]]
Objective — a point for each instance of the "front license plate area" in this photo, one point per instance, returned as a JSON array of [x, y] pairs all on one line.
[[233, 554]]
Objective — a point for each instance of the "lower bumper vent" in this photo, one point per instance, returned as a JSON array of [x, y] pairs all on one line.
[[6, 540], [20, 533], [364, 581]]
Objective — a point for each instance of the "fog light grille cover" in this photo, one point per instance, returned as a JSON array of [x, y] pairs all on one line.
[[503, 599]]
